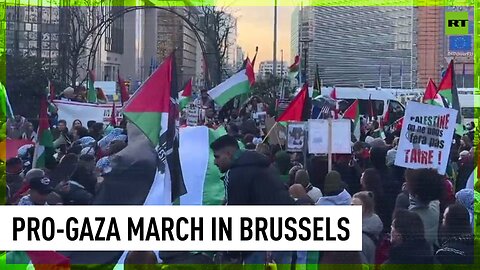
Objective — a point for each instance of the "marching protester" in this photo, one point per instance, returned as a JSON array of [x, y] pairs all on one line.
[[415, 212], [408, 241], [372, 226], [456, 237]]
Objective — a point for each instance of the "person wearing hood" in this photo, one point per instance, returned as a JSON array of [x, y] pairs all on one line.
[[283, 164], [372, 226], [334, 191], [408, 241], [456, 234], [250, 180], [466, 198], [425, 189]]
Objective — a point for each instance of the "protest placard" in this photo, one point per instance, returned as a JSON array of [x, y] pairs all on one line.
[[193, 115], [318, 136], [296, 136], [70, 110], [426, 137]]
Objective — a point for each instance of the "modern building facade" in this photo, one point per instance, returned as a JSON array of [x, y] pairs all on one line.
[[266, 69], [34, 31], [353, 46], [398, 47]]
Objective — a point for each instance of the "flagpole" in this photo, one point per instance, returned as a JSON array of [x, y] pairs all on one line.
[[330, 165], [380, 76], [270, 131], [401, 76], [275, 39], [390, 75]]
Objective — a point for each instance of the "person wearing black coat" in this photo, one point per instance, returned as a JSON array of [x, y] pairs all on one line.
[[408, 241], [249, 177], [457, 240], [250, 180]]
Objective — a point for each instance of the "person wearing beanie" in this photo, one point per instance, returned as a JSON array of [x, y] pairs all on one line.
[[283, 164], [302, 178], [334, 191]]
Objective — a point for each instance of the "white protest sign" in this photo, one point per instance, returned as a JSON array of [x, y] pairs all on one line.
[[426, 137], [69, 111], [193, 114], [109, 87], [318, 136]]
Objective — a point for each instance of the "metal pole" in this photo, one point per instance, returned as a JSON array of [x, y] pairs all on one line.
[[411, 47], [299, 52], [281, 74], [275, 39]]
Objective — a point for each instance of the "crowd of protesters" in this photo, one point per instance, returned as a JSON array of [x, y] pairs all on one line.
[[409, 216]]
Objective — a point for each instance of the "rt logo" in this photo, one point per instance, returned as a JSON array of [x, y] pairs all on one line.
[[456, 23]]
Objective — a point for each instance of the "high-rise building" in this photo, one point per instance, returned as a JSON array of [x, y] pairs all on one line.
[[174, 33], [239, 58], [34, 31], [359, 45], [231, 54], [265, 69]]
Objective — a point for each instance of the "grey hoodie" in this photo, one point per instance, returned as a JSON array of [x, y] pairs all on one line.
[[343, 198], [372, 226]]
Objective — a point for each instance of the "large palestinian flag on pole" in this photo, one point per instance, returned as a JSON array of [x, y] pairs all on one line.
[[431, 95], [148, 170], [154, 110], [240, 83], [448, 90]]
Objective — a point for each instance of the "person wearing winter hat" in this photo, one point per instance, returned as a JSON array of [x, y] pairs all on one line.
[[391, 154], [40, 188], [302, 177], [334, 191], [465, 197]]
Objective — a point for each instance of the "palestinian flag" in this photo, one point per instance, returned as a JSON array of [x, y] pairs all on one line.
[[148, 171], [448, 90], [185, 95], [38, 260], [333, 95], [6, 108], [353, 113], [50, 92], [239, 83], [91, 92], [101, 98], [294, 68], [299, 109], [124, 96], [44, 144], [113, 116], [431, 95], [202, 177], [154, 110]]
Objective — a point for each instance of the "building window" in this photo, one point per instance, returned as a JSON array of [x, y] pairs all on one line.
[[114, 33]]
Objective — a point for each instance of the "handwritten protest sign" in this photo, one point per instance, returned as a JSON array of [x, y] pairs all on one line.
[[193, 114], [426, 137]]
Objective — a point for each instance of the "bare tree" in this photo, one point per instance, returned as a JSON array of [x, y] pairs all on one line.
[[81, 26], [216, 24]]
